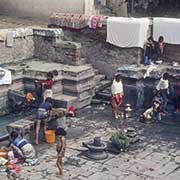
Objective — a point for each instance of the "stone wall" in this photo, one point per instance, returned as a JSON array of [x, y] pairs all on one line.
[[119, 7], [52, 48], [103, 56], [172, 53], [23, 46], [17, 84]]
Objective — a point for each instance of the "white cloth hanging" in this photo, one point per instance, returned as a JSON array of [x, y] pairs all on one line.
[[9, 39], [127, 32], [7, 78], [169, 28]]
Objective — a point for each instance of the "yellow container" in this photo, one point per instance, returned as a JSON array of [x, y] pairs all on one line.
[[50, 136]]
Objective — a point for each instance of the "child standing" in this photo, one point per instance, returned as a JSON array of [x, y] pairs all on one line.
[[149, 50], [116, 95], [60, 148], [160, 48]]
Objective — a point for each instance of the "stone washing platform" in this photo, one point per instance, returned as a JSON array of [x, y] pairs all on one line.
[[155, 71], [74, 85], [140, 81]]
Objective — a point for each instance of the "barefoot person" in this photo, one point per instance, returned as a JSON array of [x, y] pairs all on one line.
[[116, 95], [60, 148], [43, 113]]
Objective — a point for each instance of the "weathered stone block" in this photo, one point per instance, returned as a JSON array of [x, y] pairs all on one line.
[[64, 101], [81, 95], [77, 73], [80, 86], [84, 103], [68, 45]]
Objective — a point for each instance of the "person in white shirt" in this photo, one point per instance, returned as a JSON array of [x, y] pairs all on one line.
[[163, 88], [116, 95]]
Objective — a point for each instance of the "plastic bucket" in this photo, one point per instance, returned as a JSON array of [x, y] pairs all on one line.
[[50, 136]]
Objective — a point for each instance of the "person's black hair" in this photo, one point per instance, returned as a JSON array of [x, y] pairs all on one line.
[[165, 76], [150, 38], [48, 100], [161, 39], [60, 132], [55, 72], [50, 75], [117, 77], [14, 135]]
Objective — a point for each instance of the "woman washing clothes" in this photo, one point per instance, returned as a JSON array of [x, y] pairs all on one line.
[[43, 113], [21, 147]]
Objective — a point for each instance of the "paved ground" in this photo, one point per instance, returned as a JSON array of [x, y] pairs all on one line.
[[155, 157]]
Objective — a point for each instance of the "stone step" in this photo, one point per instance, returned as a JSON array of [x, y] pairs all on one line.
[[77, 73], [99, 78], [81, 95], [103, 96], [102, 85], [65, 101], [77, 87], [84, 103]]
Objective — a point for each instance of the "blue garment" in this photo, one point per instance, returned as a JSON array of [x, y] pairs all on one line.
[[147, 61], [45, 105], [42, 115], [19, 142], [157, 116]]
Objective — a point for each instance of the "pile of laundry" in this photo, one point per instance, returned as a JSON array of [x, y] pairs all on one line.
[[10, 165], [75, 21]]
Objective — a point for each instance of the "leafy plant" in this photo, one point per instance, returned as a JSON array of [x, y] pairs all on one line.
[[120, 140]]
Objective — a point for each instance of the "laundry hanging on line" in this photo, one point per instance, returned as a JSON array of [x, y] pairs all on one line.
[[169, 28], [5, 76], [127, 32]]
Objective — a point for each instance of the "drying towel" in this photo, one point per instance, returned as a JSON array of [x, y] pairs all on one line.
[[127, 32], [9, 39], [169, 28], [6, 79]]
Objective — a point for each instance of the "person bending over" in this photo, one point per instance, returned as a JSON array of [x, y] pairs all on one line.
[[43, 113]]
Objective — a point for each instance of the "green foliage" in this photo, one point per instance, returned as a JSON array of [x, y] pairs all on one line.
[[120, 140]]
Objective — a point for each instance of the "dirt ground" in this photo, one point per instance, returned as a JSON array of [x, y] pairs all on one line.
[[16, 22]]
